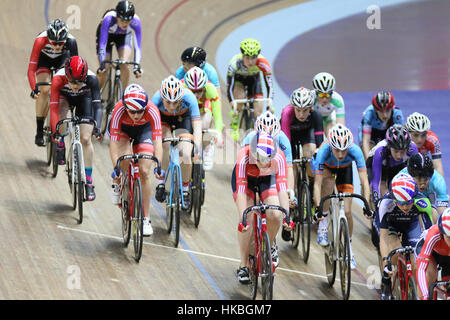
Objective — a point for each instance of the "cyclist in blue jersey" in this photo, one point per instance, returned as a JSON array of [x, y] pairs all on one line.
[[335, 157], [377, 118], [430, 182], [269, 123], [119, 27], [196, 57], [179, 111], [387, 158]]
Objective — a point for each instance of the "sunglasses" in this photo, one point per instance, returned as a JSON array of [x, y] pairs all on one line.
[[324, 95], [136, 111], [76, 81], [198, 90], [404, 203], [57, 43]]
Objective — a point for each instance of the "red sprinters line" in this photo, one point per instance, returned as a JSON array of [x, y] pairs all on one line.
[[158, 30]]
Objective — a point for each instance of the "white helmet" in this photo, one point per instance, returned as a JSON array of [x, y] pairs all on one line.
[[269, 123], [340, 137], [302, 98], [171, 89], [195, 78], [418, 122], [324, 82]]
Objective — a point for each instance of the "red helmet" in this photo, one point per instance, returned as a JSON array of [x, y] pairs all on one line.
[[76, 69], [383, 100]]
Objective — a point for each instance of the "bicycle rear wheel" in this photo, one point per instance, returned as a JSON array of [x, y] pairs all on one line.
[[344, 259], [305, 218], [126, 221], [397, 285], [48, 140], [197, 193], [107, 102], [54, 160], [330, 262], [138, 220], [253, 273], [297, 218], [266, 268], [79, 182]]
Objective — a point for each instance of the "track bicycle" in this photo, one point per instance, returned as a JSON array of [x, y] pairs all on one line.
[[131, 201], [338, 249], [247, 113], [302, 215], [112, 91], [403, 281], [260, 261], [75, 169], [175, 201], [439, 290]]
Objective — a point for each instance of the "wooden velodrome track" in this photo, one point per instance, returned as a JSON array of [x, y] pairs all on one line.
[[45, 254]]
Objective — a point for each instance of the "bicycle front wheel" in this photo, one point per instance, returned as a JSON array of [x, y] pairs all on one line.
[[138, 220], [305, 218], [174, 207], [330, 261], [126, 221], [54, 160], [411, 289], [107, 103], [266, 268], [344, 258], [197, 193], [79, 181]]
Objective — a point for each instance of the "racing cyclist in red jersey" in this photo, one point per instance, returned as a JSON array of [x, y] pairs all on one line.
[[136, 118], [260, 164], [433, 250], [51, 48], [418, 126], [76, 85]]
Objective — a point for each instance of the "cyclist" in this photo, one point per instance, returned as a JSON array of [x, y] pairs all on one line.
[[426, 140], [433, 250], [136, 118], [328, 102], [429, 181], [51, 48], [335, 157], [260, 165], [244, 81], [196, 57], [118, 27], [387, 158], [403, 210], [269, 123], [76, 85], [377, 118], [209, 104], [179, 111]]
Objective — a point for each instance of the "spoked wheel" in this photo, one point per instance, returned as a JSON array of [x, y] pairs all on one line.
[[305, 218], [344, 259], [253, 273], [397, 283], [330, 262], [79, 184], [174, 210], [246, 120], [266, 268], [411, 289], [71, 178], [197, 193], [138, 220], [126, 221], [54, 159], [297, 218], [107, 103], [48, 140]]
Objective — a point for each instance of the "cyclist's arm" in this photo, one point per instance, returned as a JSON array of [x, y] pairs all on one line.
[[423, 259], [437, 164], [287, 115], [318, 128], [92, 82], [38, 45], [364, 184], [57, 84], [216, 106], [156, 125], [338, 102], [103, 38], [264, 65], [385, 247], [376, 173], [281, 177], [230, 87], [137, 28], [365, 145], [72, 46]]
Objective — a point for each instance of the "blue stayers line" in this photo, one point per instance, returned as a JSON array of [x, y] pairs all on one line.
[[192, 255], [47, 2]]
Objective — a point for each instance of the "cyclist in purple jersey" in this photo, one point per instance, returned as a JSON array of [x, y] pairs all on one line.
[[118, 27], [387, 158]]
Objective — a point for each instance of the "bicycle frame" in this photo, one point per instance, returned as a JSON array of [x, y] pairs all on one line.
[[248, 103], [404, 269], [174, 162], [439, 288]]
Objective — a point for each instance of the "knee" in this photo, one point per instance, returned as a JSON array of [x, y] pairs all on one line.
[[45, 90]]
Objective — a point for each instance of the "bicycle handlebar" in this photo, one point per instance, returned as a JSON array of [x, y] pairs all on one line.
[[135, 157], [407, 249], [175, 140], [302, 160], [44, 83], [263, 207], [236, 101], [118, 62], [434, 285], [342, 195], [75, 120]]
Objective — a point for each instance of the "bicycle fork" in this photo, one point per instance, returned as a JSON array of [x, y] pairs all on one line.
[[175, 162]]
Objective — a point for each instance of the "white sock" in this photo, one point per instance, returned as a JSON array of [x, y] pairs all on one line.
[[324, 223]]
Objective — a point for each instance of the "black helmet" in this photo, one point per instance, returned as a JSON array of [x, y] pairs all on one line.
[[57, 30], [125, 10], [194, 55], [420, 165], [397, 137]]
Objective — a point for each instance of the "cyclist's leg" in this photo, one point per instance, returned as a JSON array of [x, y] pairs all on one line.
[[125, 51], [42, 75], [145, 172], [60, 146], [238, 93], [344, 183], [102, 77], [328, 183]]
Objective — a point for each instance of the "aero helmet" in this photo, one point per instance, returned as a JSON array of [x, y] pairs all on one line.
[[263, 147], [125, 10]]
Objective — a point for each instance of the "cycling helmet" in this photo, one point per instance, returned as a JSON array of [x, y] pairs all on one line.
[[57, 30], [383, 100], [76, 69], [263, 147], [444, 222], [134, 97], [267, 122], [340, 137], [250, 47], [302, 98], [194, 55], [171, 89], [195, 78], [397, 137], [403, 187], [324, 82], [420, 165], [125, 10], [418, 122]]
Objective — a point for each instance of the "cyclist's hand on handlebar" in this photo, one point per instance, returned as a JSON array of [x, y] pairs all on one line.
[[97, 134], [318, 215], [242, 228], [56, 137], [101, 69], [138, 71], [161, 175], [368, 213], [288, 227], [116, 175], [388, 269], [35, 93]]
